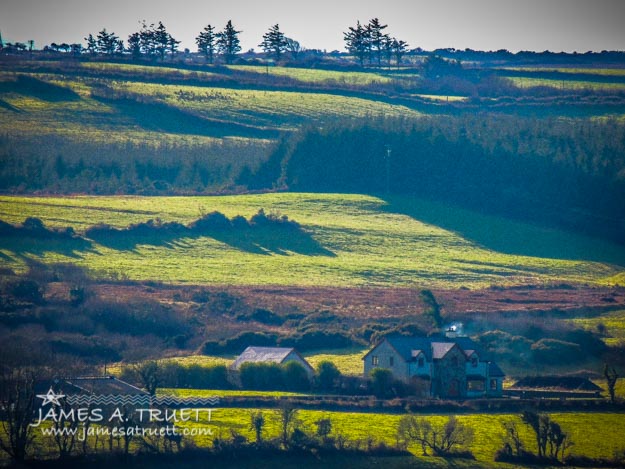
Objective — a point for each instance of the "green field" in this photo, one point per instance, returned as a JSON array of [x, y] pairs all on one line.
[[307, 75], [76, 113], [525, 82], [348, 240], [349, 362], [264, 108], [609, 72], [611, 325], [586, 430]]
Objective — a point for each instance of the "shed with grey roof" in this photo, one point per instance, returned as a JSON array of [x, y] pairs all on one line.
[[278, 355]]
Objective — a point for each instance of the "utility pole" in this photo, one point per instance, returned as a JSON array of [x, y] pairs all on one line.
[[388, 169]]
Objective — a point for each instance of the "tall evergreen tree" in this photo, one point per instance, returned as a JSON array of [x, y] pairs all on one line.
[[387, 49], [376, 39], [106, 42], [134, 45], [274, 42], [228, 43], [147, 37], [357, 42], [206, 43], [399, 50], [92, 45], [172, 45], [161, 40]]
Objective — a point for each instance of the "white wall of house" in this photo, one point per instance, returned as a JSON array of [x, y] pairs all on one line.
[[385, 356], [295, 357]]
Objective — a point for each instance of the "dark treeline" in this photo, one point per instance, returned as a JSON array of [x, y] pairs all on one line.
[[568, 172], [122, 167]]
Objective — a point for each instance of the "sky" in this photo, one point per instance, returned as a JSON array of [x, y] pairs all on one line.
[[556, 25]]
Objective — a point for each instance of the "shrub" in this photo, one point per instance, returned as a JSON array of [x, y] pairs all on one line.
[[328, 375], [213, 221], [136, 318], [28, 290], [553, 351], [261, 376], [295, 377], [381, 382], [267, 317]]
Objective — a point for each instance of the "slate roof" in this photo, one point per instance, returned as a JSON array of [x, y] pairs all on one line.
[[440, 349], [568, 383], [265, 355], [405, 346], [494, 371]]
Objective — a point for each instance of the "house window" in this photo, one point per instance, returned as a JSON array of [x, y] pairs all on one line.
[[421, 362], [391, 361], [474, 361], [475, 385], [374, 360], [493, 385], [454, 361]]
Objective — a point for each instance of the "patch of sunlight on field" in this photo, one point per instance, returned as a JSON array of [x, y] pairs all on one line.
[[348, 240], [349, 362], [619, 387], [523, 82], [619, 277], [617, 72], [158, 71], [201, 360], [611, 325], [440, 97], [264, 108], [308, 75]]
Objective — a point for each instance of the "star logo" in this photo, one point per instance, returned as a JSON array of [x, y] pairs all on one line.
[[50, 398]]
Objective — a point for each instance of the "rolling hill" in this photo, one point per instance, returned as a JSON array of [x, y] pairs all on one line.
[[346, 240]]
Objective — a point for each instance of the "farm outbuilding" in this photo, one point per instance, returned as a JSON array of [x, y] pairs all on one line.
[[554, 387], [278, 355]]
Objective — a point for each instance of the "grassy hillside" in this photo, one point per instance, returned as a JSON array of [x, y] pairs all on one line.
[[586, 430], [348, 240]]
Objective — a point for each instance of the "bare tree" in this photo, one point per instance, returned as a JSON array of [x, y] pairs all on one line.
[[257, 422], [442, 439], [513, 445], [293, 47], [150, 374], [17, 401], [65, 431], [539, 423], [287, 419]]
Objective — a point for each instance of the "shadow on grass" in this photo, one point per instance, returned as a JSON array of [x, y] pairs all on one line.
[[162, 118], [8, 106], [508, 236], [69, 247], [29, 86], [258, 240]]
